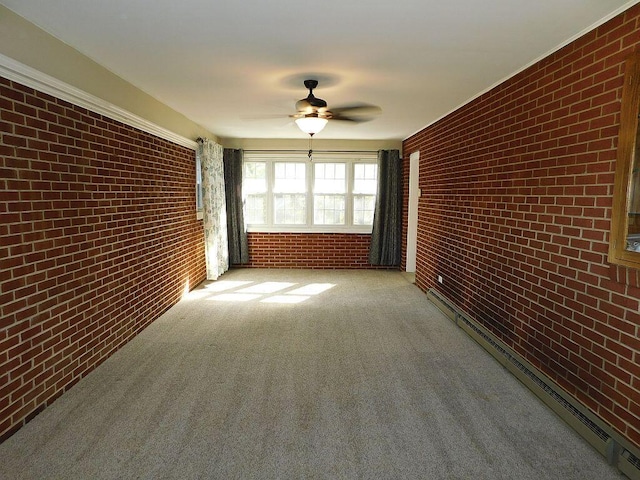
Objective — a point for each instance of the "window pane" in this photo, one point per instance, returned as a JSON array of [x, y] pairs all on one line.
[[254, 169], [255, 209], [290, 177], [290, 209], [365, 178], [328, 209], [329, 178], [363, 208], [255, 178]]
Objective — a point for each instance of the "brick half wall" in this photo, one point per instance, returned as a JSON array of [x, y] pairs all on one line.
[[310, 250]]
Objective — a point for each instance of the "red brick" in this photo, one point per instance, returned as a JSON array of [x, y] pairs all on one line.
[[293, 250], [59, 199]]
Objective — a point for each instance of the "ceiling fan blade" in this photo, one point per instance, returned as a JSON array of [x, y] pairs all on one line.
[[312, 106], [357, 113], [354, 119], [356, 109]]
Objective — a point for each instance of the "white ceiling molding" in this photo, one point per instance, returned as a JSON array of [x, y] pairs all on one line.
[[30, 77]]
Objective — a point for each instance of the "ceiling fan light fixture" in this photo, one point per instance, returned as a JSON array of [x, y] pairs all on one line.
[[311, 125]]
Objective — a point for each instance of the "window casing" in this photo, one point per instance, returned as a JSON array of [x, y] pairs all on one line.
[[199, 200], [288, 193], [624, 246]]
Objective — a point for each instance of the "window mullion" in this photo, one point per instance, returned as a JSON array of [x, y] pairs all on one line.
[[271, 204]]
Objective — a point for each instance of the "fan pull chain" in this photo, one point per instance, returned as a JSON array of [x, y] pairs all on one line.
[[310, 150]]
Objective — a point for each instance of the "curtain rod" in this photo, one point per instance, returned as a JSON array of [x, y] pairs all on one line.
[[305, 151]]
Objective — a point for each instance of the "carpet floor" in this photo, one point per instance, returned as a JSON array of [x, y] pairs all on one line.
[[294, 374]]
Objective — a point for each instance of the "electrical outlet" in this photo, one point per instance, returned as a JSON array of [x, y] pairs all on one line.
[[439, 278]]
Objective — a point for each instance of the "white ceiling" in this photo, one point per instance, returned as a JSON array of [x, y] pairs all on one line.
[[227, 64]]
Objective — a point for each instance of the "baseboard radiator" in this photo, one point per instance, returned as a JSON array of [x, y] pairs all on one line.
[[617, 450]]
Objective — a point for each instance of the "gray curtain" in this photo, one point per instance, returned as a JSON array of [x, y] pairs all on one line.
[[236, 230], [386, 237]]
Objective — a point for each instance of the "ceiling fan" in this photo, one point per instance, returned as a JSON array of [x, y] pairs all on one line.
[[312, 113]]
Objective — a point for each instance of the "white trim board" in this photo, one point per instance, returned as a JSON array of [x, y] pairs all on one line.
[[20, 73]]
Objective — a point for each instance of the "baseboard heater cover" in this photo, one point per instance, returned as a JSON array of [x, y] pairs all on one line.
[[617, 450]]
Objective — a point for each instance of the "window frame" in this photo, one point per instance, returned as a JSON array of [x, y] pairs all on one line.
[[344, 194], [198, 187], [627, 160], [350, 159]]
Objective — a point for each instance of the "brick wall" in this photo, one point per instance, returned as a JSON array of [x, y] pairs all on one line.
[[310, 250], [516, 201], [98, 237]]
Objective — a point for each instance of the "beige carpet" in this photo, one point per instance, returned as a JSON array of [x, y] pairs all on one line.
[[269, 374]]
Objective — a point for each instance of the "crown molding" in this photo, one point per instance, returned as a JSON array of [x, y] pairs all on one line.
[[20, 73]]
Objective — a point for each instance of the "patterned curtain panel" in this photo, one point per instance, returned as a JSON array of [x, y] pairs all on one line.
[[214, 209]]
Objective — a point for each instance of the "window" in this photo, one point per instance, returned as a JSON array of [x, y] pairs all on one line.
[[254, 187], [333, 193], [329, 193], [289, 189], [199, 207], [365, 185], [624, 247]]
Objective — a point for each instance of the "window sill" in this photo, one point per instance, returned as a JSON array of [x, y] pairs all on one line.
[[306, 229]]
